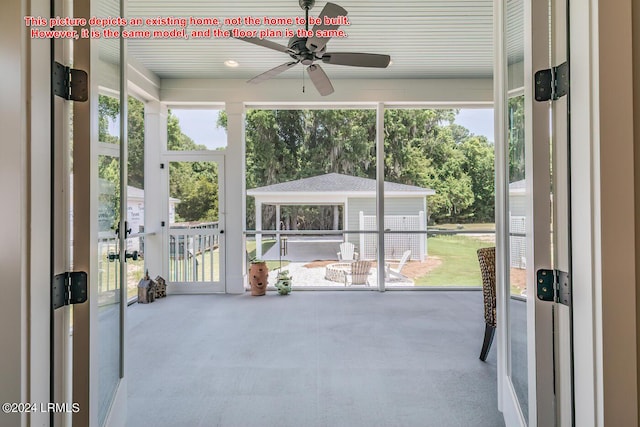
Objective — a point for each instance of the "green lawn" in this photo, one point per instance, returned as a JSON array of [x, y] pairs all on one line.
[[206, 264], [108, 277], [266, 245], [482, 226], [459, 261]]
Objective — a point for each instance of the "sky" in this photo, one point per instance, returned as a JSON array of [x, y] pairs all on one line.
[[200, 125], [478, 121]]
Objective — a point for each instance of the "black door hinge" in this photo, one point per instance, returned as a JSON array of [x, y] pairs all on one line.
[[69, 83], [69, 288], [552, 83], [554, 286]]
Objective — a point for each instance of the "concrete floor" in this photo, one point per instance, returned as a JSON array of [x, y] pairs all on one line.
[[311, 359]]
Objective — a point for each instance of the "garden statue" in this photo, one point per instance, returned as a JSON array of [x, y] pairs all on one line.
[[284, 283]]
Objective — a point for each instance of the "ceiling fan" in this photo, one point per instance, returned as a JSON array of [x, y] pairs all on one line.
[[308, 50]]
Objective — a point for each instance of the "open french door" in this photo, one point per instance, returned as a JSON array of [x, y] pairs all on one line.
[[535, 369], [99, 223]]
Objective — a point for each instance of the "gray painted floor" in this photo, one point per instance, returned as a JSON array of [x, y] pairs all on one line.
[[311, 359]]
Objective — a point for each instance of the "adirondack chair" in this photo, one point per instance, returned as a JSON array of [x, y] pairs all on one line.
[[359, 273], [347, 252], [395, 273]]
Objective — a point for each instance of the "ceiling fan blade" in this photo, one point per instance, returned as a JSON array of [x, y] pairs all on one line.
[[320, 79], [266, 43], [272, 72], [357, 59], [330, 10]]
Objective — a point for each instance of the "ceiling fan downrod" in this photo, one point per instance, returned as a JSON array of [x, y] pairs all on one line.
[[306, 5]]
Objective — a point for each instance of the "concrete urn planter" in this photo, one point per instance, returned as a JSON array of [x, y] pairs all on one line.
[[258, 277]]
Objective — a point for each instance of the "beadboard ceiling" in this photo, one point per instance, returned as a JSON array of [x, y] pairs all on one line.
[[425, 38]]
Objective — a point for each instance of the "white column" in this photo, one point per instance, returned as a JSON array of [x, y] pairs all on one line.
[[278, 226], [258, 228], [423, 237], [235, 200], [380, 192], [156, 203]]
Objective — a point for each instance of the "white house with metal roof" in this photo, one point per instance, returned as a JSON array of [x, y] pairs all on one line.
[[405, 210]]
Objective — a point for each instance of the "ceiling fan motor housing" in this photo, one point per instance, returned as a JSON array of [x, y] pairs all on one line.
[[299, 51], [306, 4]]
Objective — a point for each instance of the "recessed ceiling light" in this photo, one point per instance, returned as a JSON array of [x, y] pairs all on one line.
[[231, 63]]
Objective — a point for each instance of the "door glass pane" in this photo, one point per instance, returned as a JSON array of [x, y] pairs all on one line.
[[108, 281], [110, 86], [517, 198], [135, 195], [517, 253]]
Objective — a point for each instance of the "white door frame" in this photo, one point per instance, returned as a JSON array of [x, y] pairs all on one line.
[[85, 232], [196, 156]]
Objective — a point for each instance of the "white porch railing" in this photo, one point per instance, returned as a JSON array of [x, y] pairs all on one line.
[[194, 254]]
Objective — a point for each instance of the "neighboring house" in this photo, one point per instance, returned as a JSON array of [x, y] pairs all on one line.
[[135, 208], [135, 211], [405, 209]]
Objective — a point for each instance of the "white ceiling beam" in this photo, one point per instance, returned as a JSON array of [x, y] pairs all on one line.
[[426, 92]]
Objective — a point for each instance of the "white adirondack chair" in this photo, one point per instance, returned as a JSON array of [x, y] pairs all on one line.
[[347, 252], [395, 273], [359, 273]]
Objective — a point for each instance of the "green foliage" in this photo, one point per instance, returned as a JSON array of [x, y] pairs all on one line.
[[516, 138], [108, 167], [422, 148], [135, 143], [108, 111], [479, 164], [195, 184]]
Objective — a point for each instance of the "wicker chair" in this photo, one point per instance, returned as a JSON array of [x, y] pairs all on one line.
[[487, 260], [359, 273]]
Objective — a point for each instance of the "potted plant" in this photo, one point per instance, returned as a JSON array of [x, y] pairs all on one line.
[[258, 277]]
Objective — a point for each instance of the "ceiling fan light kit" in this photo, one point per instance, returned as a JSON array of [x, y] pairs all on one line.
[[308, 50]]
